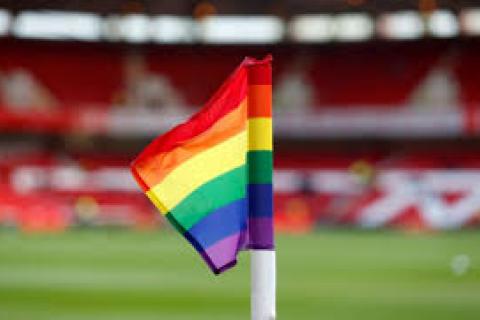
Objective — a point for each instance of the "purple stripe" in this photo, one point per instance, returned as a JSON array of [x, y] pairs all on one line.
[[223, 254], [260, 233]]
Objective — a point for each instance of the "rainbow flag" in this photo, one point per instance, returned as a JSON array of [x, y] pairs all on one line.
[[212, 175]]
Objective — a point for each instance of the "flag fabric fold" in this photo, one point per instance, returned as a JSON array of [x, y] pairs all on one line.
[[212, 175]]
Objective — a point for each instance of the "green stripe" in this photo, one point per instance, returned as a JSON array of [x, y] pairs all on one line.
[[260, 164], [212, 195]]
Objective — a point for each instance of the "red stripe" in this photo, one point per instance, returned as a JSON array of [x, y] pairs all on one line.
[[260, 71]]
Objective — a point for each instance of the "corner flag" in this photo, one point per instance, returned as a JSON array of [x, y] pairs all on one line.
[[212, 175]]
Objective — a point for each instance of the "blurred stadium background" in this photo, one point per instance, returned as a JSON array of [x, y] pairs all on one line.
[[377, 155]]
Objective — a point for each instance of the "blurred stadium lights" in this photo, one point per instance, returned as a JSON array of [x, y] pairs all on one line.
[[218, 29], [4, 22], [241, 29], [311, 28], [111, 29], [470, 21], [57, 25], [172, 29], [135, 28], [324, 27], [353, 27], [443, 24], [401, 25]]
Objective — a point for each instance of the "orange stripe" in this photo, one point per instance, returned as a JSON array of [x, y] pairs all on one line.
[[154, 169], [260, 101]]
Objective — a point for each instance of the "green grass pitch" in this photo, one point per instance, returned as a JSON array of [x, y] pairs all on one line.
[[332, 275]]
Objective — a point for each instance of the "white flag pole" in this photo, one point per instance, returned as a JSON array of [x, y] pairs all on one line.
[[263, 264], [263, 284]]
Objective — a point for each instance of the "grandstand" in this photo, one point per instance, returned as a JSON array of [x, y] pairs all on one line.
[[378, 110]]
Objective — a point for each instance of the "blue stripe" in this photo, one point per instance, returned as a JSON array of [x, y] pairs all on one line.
[[260, 203], [219, 224]]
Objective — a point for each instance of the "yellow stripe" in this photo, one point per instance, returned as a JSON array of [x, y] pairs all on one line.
[[260, 134], [198, 170]]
